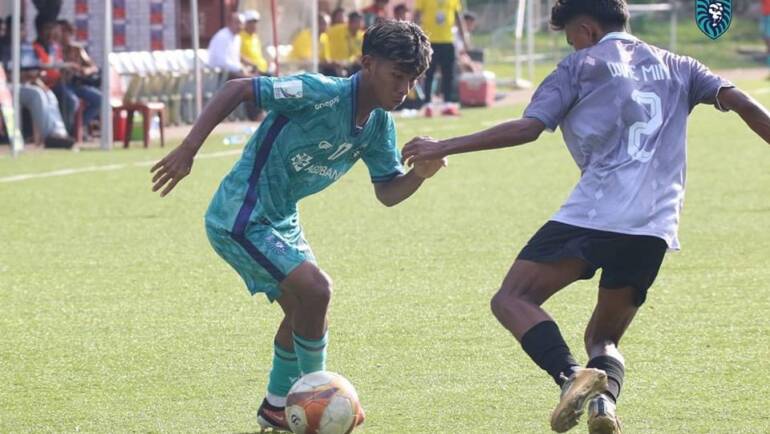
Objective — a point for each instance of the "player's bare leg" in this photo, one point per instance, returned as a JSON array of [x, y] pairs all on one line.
[[300, 341], [312, 288], [528, 285], [614, 311], [517, 306]]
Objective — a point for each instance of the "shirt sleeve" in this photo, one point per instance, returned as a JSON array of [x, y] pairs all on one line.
[[382, 157], [704, 85], [555, 95], [293, 93]]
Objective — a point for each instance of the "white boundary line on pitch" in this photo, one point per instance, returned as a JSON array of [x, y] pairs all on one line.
[[105, 168]]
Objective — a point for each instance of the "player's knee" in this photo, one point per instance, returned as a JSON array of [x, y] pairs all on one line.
[[502, 305], [319, 291]]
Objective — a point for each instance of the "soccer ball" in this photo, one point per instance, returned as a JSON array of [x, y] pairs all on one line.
[[323, 403]]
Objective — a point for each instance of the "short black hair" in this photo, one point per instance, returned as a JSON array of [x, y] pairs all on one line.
[[610, 14], [401, 42], [355, 15]]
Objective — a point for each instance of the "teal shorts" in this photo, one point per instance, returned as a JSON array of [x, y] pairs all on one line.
[[263, 256]]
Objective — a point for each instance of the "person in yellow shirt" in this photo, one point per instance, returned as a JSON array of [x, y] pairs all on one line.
[[251, 46], [302, 44], [345, 42], [437, 18]]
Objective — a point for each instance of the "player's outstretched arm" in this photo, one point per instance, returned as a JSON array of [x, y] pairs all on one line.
[[178, 163], [753, 113], [511, 133], [401, 187]]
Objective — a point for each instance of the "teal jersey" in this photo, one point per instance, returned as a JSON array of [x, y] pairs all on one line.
[[308, 140]]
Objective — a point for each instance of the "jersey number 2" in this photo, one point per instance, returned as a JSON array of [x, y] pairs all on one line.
[[635, 142]]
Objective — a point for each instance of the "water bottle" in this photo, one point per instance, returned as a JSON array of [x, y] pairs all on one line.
[[238, 139], [234, 139], [155, 127]]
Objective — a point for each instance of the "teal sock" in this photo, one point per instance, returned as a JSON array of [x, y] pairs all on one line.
[[311, 354], [284, 373]]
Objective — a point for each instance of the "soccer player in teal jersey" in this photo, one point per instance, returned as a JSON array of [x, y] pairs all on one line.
[[316, 129]]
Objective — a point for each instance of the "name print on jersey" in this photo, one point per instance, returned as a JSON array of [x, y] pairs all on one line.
[[651, 72]]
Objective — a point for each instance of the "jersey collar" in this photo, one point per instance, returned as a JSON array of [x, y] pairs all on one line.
[[623, 36], [354, 83]]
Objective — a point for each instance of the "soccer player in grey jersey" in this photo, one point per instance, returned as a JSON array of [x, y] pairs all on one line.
[[622, 107]]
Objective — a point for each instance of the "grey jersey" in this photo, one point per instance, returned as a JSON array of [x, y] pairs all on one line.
[[622, 107]]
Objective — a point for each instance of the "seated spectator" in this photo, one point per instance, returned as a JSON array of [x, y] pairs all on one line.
[[465, 55], [401, 12], [50, 55], [83, 76], [5, 37], [338, 16], [302, 44], [251, 46], [40, 101], [225, 48], [345, 42], [375, 12]]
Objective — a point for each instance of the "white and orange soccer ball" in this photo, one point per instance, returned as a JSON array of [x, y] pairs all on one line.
[[323, 403]]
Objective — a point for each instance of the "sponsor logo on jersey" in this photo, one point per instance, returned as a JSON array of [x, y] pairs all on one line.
[[300, 161], [324, 145], [713, 16], [287, 89], [325, 171], [329, 104]]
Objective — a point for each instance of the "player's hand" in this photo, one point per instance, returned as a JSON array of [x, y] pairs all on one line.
[[422, 149], [171, 169], [427, 168]]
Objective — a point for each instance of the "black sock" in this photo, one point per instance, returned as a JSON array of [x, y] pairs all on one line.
[[615, 373], [545, 345]]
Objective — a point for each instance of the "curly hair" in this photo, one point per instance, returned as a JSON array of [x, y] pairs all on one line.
[[401, 42], [611, 14]]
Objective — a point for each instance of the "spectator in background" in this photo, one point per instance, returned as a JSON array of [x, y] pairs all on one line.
[[465, 61], [5, 38], [225, 48], [765, 24], [302, 44], [38, 99], [401, 12], [338, 16], [49, 53], [345, 42], [83, 77], [375, 12], [251, 46], [437, 18]]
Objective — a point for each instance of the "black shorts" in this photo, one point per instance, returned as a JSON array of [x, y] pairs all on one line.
[[625, 260]]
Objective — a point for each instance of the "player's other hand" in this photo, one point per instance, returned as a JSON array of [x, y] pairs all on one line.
[[171, 169], [427, 168], [422, 149]]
